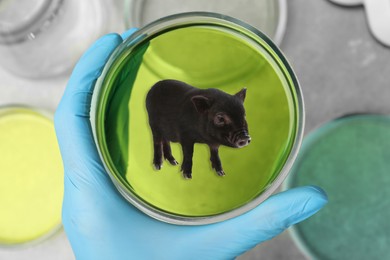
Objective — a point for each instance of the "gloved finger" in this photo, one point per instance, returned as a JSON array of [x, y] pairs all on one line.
[[72, 116], [267, 220], [129, 32], [91, 64]]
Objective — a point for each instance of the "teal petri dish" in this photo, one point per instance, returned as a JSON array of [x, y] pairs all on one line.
[[205, 50], [349, 159]]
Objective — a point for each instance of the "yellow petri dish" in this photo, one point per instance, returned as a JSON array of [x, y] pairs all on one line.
[[31, 176]]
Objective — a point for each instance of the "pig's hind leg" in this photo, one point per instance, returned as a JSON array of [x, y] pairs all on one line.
[[168, 153], [216, 161], [158, 152]]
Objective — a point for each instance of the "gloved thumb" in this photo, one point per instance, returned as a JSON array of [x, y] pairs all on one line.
[[266, 221]]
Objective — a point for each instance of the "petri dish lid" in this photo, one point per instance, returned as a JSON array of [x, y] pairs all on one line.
[[269, 16], [349, 159], [31, 177]]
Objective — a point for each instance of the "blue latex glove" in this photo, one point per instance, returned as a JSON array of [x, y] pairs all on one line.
[[100, 224]]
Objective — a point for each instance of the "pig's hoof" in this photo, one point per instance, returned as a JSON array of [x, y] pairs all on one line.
[[173, 161], [187, 175], [157, 166], [221, 173]]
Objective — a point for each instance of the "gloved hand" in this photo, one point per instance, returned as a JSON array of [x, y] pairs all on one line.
[[100, 224]]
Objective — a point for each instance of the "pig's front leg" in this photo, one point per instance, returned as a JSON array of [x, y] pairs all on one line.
[[215, 160], [186, 167], [168, 153]]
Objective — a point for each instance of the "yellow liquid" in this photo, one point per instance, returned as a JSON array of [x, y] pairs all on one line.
[[31, 176]]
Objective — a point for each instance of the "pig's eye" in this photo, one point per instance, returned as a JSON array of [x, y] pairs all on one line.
[[219, 120]]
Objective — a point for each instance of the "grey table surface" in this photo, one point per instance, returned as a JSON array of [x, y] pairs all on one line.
[[342, 70], [341, 67]]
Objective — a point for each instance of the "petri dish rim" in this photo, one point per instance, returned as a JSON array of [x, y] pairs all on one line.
[[58, 228], [133, 9], [42, 22], [152, 30]]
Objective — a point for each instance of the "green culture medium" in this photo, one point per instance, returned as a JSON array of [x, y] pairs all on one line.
[[349, 159], [31, 179], [204, 54]]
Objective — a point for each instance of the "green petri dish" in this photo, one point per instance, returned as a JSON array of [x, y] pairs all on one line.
[[31, 177], [205, 50], [349, 159]]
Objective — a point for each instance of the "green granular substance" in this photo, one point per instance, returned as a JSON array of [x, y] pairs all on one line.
[[206, 58], [350, 159]]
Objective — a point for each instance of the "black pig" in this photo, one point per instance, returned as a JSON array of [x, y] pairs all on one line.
[[182, 113]]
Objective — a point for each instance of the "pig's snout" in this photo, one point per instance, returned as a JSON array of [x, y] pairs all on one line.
[[243, 140]]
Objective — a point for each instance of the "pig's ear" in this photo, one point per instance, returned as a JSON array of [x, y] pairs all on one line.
[[241, 94], [201, 103]]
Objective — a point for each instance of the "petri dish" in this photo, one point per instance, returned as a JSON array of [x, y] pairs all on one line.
[[205, 50], [30, 31], [349, 159], [31, 177], [269, 16]]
